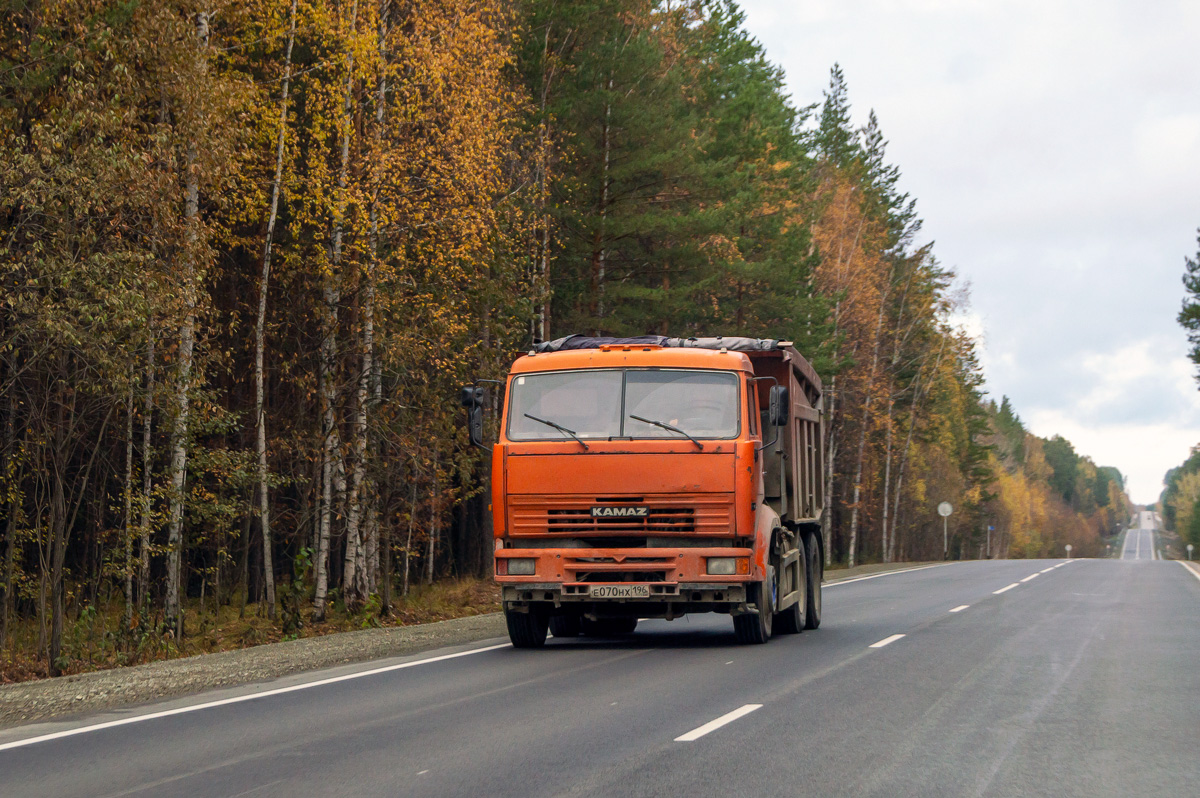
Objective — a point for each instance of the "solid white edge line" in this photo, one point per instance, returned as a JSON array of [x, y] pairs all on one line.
[[885, 573], [713, 725], [1030, 577], [1005, 589], [1191, 568], [960, 608], [885, 641], [239, 699]]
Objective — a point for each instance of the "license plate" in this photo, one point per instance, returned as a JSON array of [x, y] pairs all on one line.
[[619, 591]]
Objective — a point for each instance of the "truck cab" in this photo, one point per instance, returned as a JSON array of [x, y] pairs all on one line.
[[639, 478]]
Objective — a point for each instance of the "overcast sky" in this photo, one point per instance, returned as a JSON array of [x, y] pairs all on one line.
[[1053, 147]]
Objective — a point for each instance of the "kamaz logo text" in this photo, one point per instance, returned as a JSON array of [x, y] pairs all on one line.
[[620, 512]]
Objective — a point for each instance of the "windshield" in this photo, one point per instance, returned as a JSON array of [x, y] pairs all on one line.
[[602, 403]]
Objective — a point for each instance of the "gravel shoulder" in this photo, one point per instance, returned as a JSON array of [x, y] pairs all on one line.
[[26, 702]]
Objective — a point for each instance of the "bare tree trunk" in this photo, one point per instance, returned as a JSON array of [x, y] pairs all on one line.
[[884, 551], [187, 341], [357, 582], [58, 550], [10, 531], [385, 604], [918, 394], [144, 543], [128, 496], [332, 296], [599, 250], [434, 515], [830, 461], [264, 507], [412, 516], [865, 426], [10, 523], [244, 579]]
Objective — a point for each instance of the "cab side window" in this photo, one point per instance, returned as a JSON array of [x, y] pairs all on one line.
[[752, 406]]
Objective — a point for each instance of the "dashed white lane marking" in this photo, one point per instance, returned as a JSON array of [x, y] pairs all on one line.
[[960, 608], [1031, 576], [885, 641], [1005, 589], [1047, 570], [713, 725], [886, 573], [239, 699]]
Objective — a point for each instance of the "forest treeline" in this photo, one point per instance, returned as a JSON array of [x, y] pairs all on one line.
[[1179, 503], [250, 249]]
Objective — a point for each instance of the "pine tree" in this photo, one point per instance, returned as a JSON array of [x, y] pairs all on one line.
[[1189, 314]]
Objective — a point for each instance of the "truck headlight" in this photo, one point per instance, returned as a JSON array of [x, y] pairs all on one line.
[[722, 566], [522, 567]]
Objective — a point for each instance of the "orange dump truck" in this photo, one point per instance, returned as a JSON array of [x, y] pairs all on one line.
[[653, 477]]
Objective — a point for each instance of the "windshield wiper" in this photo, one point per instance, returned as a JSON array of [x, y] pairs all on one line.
[[669, 427], [560, 428]]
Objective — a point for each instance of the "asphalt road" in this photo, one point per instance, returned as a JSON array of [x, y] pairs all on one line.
[[1012, 678], [1139, 542]]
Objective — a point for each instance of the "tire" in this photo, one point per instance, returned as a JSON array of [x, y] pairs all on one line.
[[565, 625], [527, 629], [755, 628], [792, 620], [816, 573], [608, 627]]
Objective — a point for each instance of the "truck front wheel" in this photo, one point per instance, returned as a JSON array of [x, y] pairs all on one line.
[[527, 629], [791, 620], [755, 628]]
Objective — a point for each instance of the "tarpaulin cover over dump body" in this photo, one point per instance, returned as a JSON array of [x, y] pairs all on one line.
[[731, 343]]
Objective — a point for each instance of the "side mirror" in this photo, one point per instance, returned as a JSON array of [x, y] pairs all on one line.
[[472, 398], [778, 406]]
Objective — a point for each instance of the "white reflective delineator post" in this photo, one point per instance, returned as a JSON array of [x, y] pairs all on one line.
[[1190, 551], [944, 509], [1068, 551]]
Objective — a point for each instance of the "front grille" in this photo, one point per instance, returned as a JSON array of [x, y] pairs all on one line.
[[620, 576], [658, 519], [666, 517]]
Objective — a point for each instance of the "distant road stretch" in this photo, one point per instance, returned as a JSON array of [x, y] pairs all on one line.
[[994, 678], [1140, 542]]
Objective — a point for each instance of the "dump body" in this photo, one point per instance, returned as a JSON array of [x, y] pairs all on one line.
[[635, 479]]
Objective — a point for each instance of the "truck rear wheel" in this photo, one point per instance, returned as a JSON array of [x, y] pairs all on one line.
[[755, 628], [791, 621], [816, 573], [527, 629], [565, 625]]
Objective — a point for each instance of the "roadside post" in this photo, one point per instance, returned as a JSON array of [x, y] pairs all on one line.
[[944, 510], [989, 541], [1189, 551], [1068, 551]]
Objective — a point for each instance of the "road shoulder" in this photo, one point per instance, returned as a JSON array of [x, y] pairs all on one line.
[[26, 702]]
